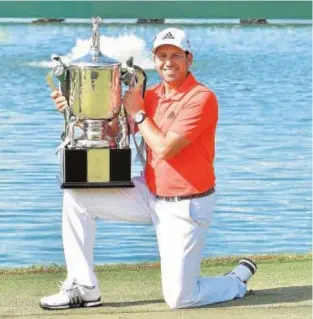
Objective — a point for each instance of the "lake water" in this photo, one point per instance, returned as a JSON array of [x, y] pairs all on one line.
[[262, 77]]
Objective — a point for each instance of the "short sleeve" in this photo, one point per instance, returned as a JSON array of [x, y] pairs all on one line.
[[198, 115]]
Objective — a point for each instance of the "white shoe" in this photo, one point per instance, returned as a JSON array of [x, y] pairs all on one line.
[[244, 271], [72, 296]]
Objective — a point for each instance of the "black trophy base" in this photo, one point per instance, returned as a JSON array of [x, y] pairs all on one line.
[[93, 185], [95, 168]]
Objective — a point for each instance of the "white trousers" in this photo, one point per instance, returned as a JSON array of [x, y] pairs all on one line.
[[181, 229]]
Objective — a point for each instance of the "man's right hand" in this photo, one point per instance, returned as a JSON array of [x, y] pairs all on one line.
[[59, 100]]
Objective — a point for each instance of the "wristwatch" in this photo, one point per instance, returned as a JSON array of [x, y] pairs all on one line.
[[139, 117]]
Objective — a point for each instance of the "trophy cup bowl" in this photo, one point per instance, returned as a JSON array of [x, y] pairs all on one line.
[[92, 86]]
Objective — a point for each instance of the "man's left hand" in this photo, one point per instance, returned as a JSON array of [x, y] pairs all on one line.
[[133, 101]]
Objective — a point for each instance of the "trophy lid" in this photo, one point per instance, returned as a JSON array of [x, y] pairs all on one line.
[[95, 58], [99, 61]]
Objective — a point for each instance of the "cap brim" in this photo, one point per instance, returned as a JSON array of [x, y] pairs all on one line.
[[168, 43]]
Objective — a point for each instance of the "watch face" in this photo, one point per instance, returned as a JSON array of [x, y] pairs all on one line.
[[139, 117]]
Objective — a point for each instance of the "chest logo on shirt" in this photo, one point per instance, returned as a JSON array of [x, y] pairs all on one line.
[[171, 115]]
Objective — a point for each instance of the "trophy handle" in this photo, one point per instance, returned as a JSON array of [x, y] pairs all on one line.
[[140, 79], [60, 71], [50, 81], [134, 76]]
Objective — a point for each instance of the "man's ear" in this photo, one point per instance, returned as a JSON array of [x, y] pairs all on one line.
[[153, 57], [189, 59]]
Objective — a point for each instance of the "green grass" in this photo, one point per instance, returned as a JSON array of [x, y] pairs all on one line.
[[282, 289]]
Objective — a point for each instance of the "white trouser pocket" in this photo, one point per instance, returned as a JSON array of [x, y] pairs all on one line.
[[201, 210]]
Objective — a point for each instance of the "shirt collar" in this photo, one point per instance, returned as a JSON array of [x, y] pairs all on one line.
[[189, 82]]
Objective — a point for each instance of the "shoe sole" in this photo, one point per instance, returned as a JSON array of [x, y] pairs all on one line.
[[86, 304], [250, 264]]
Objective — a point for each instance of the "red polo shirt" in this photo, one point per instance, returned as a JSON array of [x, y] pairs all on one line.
[[192, 112]]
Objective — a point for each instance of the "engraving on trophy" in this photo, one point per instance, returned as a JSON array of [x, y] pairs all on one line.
[[94, 75]]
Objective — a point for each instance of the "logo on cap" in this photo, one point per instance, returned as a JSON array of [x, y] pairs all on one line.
[[168, 36]]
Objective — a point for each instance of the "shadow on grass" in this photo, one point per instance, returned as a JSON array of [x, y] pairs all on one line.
[[258, 297], [131, 303], [271, 296]]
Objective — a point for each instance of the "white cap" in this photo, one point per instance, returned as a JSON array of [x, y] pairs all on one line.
[[173, 36]]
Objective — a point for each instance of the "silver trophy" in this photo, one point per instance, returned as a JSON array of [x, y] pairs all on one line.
[[92, 85]]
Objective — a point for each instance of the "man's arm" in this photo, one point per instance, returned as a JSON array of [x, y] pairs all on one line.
[[164, 146], [192, 121]]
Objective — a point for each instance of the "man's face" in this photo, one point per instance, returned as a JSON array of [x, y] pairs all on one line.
[[172, 63]]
